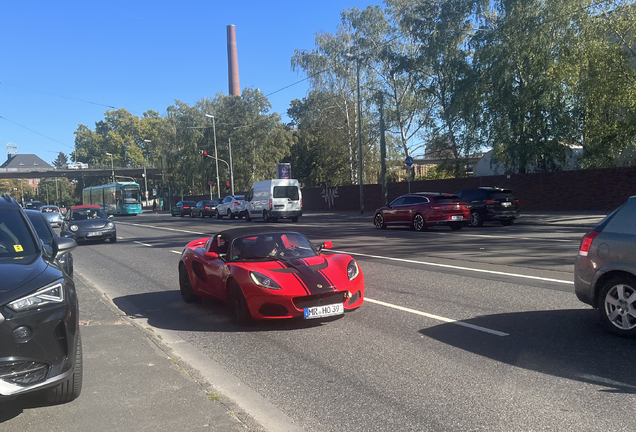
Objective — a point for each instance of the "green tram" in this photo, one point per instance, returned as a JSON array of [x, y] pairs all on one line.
[[116, 198]]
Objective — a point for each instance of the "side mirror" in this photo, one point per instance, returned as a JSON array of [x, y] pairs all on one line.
[[67, 234], [325, 245], [211, 256], [62, 245]]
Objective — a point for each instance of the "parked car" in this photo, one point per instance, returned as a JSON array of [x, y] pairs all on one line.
[[231, 206], [274, 199], [183, 208], [52, 214], [491, 204], [40, 345], [605, 270], [89, 222], [45, 232], [205, 208], [33, 205], [421, 210], [266, 274]]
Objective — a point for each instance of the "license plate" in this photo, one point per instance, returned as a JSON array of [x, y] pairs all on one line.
[[457, 217], [93, 234], [324, 311], [506, 204]]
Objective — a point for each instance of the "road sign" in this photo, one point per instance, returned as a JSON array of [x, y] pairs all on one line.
[[408, 161]]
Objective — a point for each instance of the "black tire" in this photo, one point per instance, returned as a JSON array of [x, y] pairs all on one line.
[[191, 214], [273, 219], [419, 223], [180, 213], [265, 216], [219, 215], [456, 226], [173, 215], [476, 219], [240, 310], [187, 294], [230, 214], [294, 218], [378, 221], [71, 388], [248, 218], [113, 239], [507, 222], [613, 307]]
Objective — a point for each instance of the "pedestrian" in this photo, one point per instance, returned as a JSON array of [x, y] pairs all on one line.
[[154, 206]]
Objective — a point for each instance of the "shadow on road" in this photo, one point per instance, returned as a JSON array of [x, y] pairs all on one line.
[[166, 310], [564, 343]]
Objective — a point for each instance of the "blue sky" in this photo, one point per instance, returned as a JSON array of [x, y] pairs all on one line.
[[63, 63]]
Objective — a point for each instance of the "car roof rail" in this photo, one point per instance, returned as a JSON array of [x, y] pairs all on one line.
[[7, 197]]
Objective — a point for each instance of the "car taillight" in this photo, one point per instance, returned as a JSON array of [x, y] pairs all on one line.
[[490, 202], [516, 201], [270, 205], [435, 208], [586, 243], [235, 203], [207, 208], [185, 207], [301, 204]]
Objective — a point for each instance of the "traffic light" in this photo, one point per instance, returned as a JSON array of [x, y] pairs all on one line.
[[203, 154], [227, 186]]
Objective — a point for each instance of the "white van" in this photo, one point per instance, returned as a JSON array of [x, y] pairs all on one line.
[[273, 199]]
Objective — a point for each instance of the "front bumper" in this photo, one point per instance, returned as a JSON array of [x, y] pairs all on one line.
[[105, 234], [44, 359]]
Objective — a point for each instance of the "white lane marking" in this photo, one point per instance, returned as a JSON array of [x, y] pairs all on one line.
[[177, 252], [437, 317], [507, 237], [163, 228], [143, 244], [459, 267]]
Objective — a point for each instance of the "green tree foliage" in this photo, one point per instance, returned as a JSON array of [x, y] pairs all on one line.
[[60, 161]]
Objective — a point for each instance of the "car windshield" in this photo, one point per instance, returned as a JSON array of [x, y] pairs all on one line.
[[189, 204], [88, 213], [41, 227], [15, 238], [271, 246]]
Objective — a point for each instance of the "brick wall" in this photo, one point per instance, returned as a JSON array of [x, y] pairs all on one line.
[[597, 190]]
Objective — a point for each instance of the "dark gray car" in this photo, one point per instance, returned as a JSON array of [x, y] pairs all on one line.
[[605, 270]]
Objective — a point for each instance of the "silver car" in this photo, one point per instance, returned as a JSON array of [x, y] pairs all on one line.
[[52, 214], [605, 270], [231, 206]]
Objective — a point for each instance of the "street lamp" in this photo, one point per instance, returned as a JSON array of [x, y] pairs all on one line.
[[145, 176], [112, 167], [216, 156], [357, 59]]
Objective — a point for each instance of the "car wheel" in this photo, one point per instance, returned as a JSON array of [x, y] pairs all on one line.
[[71, 388], [379, 221], [507, 222], [248, 218], [616, 305], [187, 294], [265, 216], [113, 239], [240, 310], [230, 214], [180, 213], [173, 215], [419, 223], [294, 218], [192, 214], [219, 215], [476, 219], [456, 226]]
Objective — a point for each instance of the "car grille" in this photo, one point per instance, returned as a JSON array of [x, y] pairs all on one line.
[[23, 372], [318, 300]]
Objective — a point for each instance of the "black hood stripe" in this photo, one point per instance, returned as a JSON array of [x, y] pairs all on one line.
[[311, 278]]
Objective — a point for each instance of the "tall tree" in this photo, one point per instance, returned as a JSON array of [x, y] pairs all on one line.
[[60, 161]]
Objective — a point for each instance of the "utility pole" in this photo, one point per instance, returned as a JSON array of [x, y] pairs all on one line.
[[146, 182], [229, 143], [360, 137], [382, 151]]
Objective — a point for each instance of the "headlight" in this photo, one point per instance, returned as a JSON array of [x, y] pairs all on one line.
[[74, 227], [264, 281], [352, 270], [53, 293], [110, 225]]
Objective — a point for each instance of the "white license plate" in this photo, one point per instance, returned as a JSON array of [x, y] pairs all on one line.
[[457, 217], [93, 234], [324, 311], [506, 204]]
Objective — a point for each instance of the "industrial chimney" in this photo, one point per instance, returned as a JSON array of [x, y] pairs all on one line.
[[232, 62]]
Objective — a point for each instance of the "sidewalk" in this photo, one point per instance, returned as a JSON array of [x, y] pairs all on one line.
[[130, 383]]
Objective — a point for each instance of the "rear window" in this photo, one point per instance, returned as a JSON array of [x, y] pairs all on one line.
[[239, 198], [290, 192], [15, 238], [446, 199], [189, 203]]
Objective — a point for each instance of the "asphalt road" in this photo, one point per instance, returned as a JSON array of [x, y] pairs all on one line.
[[471, 330]]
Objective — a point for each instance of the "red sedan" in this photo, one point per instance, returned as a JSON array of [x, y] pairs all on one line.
[[270, 274], [421, 210]]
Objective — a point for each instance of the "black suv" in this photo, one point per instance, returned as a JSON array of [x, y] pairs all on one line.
[[183, 208], [491, 204], [40, 346]]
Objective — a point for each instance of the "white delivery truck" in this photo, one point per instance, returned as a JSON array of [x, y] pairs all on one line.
[[274, 199]]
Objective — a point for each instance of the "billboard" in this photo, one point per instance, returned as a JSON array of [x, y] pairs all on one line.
[[283, 171]]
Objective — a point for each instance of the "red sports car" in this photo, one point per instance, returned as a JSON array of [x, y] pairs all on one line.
[[270, 274]]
